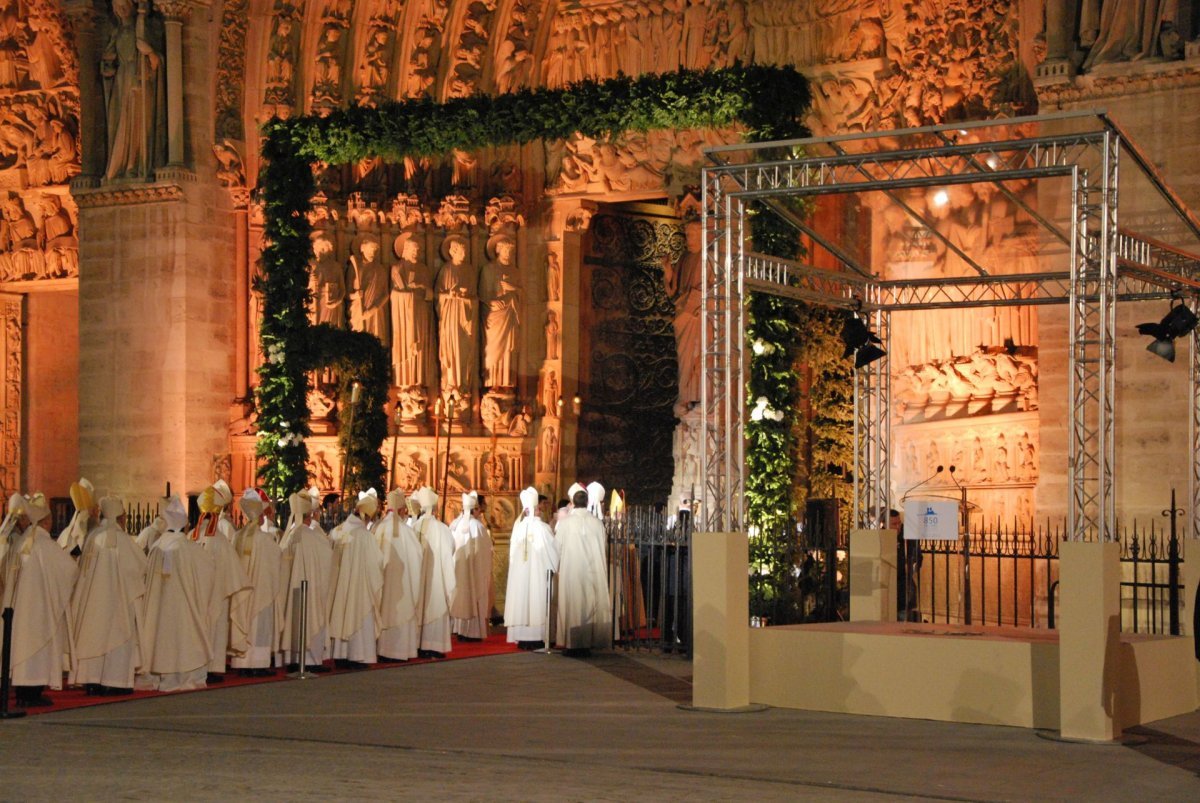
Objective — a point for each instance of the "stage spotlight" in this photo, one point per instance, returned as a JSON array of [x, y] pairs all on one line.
[[860, 342], [1178, 322], [867, 355], [941, 198]]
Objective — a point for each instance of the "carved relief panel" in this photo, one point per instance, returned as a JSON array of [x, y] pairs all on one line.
[[11, 379]]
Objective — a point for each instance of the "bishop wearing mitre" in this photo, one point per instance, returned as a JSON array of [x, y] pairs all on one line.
[[229, 627], [260, 606], [106, 605], [400, 628], [36, 578], [354, 613], [437, 576], [175, 623], [470, 608], [584, 605], [307, 558], [532, 559]]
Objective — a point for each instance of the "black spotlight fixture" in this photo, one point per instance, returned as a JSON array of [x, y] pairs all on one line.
[[860, 341], [1178, 322]]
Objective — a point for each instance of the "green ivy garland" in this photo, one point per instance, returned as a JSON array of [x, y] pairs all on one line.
[[765, 100]]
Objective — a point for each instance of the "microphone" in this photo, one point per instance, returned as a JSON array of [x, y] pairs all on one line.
[[930, 478], [954, 478]]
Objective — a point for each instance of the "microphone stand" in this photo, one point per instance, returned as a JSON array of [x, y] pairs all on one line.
[[925, 481], [964, 515]]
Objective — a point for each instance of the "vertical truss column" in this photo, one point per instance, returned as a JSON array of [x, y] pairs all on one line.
[[721, 324], [873, 431], [1091, 511], [1194, 433]]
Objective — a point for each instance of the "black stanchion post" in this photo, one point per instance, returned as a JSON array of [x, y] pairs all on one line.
[[5, 667]]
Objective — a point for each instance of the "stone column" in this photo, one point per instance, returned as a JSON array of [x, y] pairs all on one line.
[[88, 22], [175, 13], [1060, 19]]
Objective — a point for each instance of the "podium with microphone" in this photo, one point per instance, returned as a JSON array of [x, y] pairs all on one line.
[[942, 517]]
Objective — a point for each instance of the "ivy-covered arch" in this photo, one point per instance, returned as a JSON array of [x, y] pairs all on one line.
[[766, 101]]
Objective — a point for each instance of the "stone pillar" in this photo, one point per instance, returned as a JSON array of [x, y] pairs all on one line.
[[1089, 632], [873, 575], [88, 23], [1060, 19], [721, 616], [240, 198], [175, 13]]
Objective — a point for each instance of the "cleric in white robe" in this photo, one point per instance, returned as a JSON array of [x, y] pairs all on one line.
[[437, 576], [106, 605], [36, 578], [260, 605], [307, 558], [532, 556], [229, 630], [83, 521], [176, 613], [354, 612], [400, 627], [471, 606], [151, 533], [584, 619]]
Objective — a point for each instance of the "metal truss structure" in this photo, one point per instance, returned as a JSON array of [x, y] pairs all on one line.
[[1104, 264]]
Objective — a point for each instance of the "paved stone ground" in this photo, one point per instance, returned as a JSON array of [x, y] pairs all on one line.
[[537, 727]]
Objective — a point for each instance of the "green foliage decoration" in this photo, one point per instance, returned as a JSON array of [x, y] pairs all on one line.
[[765, 100]]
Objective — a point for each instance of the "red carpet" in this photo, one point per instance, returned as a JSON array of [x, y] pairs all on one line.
[[76, 698]]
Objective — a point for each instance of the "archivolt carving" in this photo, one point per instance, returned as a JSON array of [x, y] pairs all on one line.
[[231, 71], [279, 96], [514, 57], [10, 412], [427, 46], [467, 55]]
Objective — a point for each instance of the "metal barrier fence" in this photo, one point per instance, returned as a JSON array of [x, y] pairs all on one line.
[[1013, 577], [650, 579]]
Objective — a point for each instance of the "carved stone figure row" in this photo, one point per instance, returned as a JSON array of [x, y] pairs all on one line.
[[981, 456], [413, 306], [985, 382], [38, 135]]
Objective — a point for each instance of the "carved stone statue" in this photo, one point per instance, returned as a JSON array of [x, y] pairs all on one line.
[[412, 312], [553, 336], [329, 280], [134, 93], [1129, 30], [458, 336], [500, 291], [371, 279], [553, 277], [684, 284]]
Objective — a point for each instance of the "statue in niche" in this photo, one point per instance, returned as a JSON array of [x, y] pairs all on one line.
[[58, 229], [412, 312], [553, 277], [134, 93], [549, 394], [18, 230], [500, 292], [279, 56], [371, 280], [553, 336], [733, 36], [329, 280], [684, 285], [327, 69], [1000, 464], [458, 338], [549, 450], [1129, 29], [373, 74]]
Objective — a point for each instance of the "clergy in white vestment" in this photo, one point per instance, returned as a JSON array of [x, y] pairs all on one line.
[[260, 605], [36, 578], [471, 607], [83, 498], [229, 629], [584, 619], [307, 557], [150, 533], [414, 511], [177, 609], [437, 576], [400, 628], [106, 604], [532, 556], [314, 498], [354, 612]]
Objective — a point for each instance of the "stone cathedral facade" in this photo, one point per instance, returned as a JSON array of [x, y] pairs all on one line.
[[544, 289]]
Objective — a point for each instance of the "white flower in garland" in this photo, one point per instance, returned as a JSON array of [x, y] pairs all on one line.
[[275, 353], [761, 347], [763, 411]]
